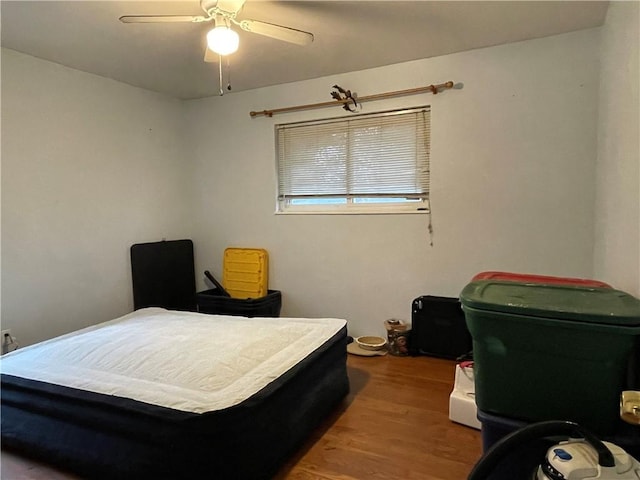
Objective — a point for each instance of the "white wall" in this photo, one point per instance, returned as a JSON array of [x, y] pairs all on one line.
[[513, 182], [89, 167], [617, 212]]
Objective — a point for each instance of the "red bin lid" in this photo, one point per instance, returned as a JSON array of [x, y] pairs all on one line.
[[529, 278]]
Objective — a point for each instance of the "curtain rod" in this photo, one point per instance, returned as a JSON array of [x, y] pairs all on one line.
[[411, 91]]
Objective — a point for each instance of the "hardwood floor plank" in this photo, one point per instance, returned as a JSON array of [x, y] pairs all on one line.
[[394, 425]]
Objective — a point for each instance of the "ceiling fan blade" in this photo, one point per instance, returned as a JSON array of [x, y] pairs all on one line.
[[163, 18], [231, 6], [278, 32], [210, 56]]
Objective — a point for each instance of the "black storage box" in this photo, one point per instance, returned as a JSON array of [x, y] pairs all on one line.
[[438, 328], [212, 301]]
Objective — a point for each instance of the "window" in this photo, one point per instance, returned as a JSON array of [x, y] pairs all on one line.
[[369, 163]]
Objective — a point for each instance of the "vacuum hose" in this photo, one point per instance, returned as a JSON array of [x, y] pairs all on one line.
[[487, 464]]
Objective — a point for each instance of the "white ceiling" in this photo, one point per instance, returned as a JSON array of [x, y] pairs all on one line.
[[349, 36]]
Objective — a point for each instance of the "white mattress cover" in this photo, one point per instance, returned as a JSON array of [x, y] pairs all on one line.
[[182, 360]]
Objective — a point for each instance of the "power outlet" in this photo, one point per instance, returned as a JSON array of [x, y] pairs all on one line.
[[7, 341]]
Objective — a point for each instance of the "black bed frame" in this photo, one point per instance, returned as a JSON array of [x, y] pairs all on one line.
[[105, 437]]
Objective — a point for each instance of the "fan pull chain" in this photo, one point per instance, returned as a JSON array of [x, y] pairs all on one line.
[[220, 75]]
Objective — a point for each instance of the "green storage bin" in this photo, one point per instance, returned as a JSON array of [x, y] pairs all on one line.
[[552, 352]]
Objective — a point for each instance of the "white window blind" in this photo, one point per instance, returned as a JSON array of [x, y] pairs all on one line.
[[374, 162]]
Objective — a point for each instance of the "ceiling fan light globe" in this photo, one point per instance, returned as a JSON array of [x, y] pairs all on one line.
[[223, 40]]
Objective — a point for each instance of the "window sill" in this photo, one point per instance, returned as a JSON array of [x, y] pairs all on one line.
[[354, 211]]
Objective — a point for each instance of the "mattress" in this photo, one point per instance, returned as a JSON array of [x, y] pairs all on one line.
[[165, 394]]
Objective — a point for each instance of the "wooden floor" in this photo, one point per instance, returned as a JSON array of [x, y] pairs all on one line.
[[394, 425]]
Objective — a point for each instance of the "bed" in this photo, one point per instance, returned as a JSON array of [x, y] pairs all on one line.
[[166, 394]]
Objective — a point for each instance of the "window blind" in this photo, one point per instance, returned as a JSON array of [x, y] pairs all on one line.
[[384, 155]]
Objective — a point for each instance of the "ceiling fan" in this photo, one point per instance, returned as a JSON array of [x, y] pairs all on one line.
[[222, 40]]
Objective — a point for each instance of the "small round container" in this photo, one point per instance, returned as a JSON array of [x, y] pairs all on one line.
[[371, 342]]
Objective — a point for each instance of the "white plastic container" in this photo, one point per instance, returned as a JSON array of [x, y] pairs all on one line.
[[462, 402]]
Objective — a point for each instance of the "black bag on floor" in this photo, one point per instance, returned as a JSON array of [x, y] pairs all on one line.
[[438, 328]]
